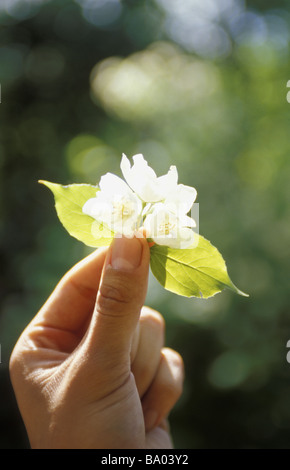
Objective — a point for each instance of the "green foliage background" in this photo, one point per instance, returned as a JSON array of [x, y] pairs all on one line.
[[79, 86]]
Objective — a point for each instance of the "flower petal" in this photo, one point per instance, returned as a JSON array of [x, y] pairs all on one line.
[[166, 228], [92, 208], [181, 199], [99, 208], [112, 184], [186, 238], [143, 180], [186, 221], [126, 169], [115, 205], [141, 165], [137, 175], [168, 183]]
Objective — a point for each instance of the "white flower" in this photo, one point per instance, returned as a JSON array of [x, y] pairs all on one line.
[[181, 199], [143, 180], [165, 227], [160, 204], [150, 188], [115, 205]]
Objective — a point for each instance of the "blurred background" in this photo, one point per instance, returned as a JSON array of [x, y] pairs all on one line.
[[201, 84]]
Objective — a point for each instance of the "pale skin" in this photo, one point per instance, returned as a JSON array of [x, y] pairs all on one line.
[[91, 370]]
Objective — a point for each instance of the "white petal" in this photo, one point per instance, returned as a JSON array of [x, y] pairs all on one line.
[[165, 228], [183, 240], [91, 207], [142, 179], [111, 184], [186, 238], [186, 221], [99, 208], [181, 199], [118, 211], [142, 166], [148, 224], [88, 207], [188, 195], [168, 183], [137, 175], [126, 168], [149, 192], [177, 210]]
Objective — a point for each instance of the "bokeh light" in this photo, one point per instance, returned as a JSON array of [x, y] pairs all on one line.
[[101, 12], [21, 9], [156, 81]]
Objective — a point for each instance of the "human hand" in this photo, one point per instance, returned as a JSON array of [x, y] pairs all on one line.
[[91, 370]]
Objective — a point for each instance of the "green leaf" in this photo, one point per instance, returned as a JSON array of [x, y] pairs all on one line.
[[193, 272], [69, 201]]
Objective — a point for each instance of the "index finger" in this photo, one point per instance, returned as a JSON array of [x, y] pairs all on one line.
[[73, 299]]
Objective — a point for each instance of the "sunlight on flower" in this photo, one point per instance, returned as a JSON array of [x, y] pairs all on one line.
[[115, 205], [166, 228], [150, 188], [181, 199], [159, 204], [143, 180]]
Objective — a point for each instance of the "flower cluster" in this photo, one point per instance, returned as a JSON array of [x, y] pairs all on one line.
[[159, 204]]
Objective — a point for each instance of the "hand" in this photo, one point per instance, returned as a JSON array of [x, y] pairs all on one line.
[[90, 370]]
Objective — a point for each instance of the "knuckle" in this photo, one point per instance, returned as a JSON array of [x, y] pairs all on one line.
[[113, 297]]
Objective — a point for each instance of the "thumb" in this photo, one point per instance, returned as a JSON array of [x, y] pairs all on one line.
[[121, 295]]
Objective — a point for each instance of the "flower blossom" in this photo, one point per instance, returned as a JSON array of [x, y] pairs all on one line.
[[143, 181], [159, 204], [166, 227], [115, 205]]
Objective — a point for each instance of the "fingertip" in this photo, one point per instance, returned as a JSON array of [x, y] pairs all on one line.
[[173, 361], [128, 253], [165, 390]]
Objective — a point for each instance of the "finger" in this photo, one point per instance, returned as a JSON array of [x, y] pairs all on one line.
[[121, 295], [73, 300], [165, 390], [147, 355], [159, 438]]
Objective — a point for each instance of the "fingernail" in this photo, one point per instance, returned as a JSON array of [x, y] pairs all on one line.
[[150, 419], [126, 253]]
